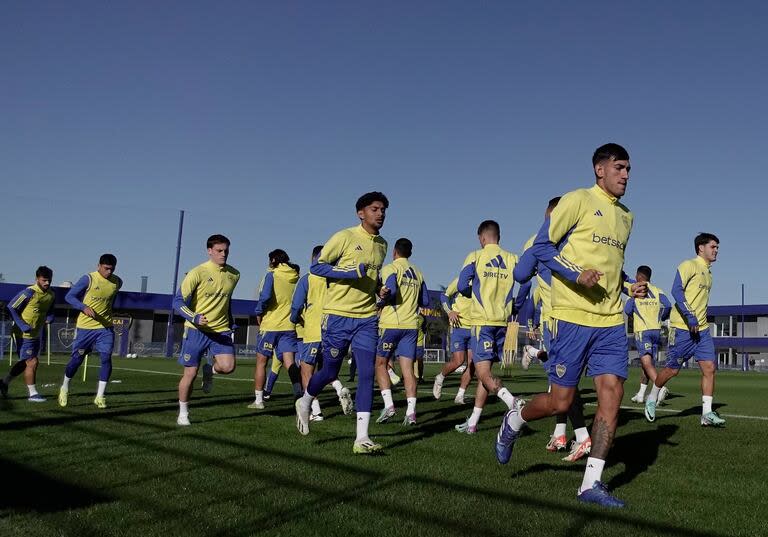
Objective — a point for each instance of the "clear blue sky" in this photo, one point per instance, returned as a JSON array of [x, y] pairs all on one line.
[[266, 121]]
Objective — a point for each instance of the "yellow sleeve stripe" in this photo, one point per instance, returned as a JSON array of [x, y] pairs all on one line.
[[19, 301], [188, 311], [573, 266]]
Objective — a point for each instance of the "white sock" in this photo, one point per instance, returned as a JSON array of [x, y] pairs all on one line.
[[654, 395], [592, 473], [316, 406], [560, 429], [306, 402], [387, 395], [461, 392], [533, 352], [363, 419], [475, 417], [259, 395], [516, 421], [33, 390], [641, 391], [65, 383], [411, 406], [338, 386], [706, 404], [507, 397], [439, 378], [101, 389], [183, 408], [581, 434]]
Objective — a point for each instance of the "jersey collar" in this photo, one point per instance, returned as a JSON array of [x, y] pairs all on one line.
[[214, 266], [596, 188], [701, 261], [362, 231]]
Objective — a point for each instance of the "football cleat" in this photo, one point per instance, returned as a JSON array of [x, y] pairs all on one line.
[[183, 421], [366, 447], [267, 395], [557, 443], [437, 389], [393, 377], [637, 398], [460, 369], [663, 393], [712, 419], [100, 402], [466, 428], [302, 418], [345, 400], [256, 405], [37, 398], [386, 413], [207, 378], [410, 419], [63, 394], [599, 495], [459, 399], [316, 417], [506, 437], [650, 411], [579, 450], [529, 353]]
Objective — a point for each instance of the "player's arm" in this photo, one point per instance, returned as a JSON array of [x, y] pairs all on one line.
[[77, 292], [629, 307], [666, 306], [265, 293], [525, 269], [424, 295], [522, 295], [182, 300], [388, 291], [299, 299], [556, 226], [17, 305], [50, 315], [325, 265], [682, 277], [467, 276]]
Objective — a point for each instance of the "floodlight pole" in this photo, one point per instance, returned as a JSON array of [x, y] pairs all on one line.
[[169, 328]]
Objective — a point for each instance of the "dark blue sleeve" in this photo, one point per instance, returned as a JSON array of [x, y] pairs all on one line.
[[299, 298], [16, 312], [326, 270], [446, 301], [678, 293], [424, 295], [522, 295], [548, 254], [629, 307], [183, 308], [50, 316], [265, 296], [466, 278], [666, 307], [537, 315], [77, 292], [526, 267]]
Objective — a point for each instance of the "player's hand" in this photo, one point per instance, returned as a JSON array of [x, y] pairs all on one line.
[[589, 278], [384, 292], [202, 320], [258, 320], [454, 318], [639, 289], [89, 312], [694, 330]]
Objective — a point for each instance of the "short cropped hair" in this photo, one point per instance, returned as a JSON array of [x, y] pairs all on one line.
[[367, 199], [489, 225], [44, 272], [404, 247], [645, 270], [316, 250], [609, 152], [702, 239], [553, 203], [108, 259], [216, 239]]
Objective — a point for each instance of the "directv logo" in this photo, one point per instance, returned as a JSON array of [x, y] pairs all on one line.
[[496, 262]]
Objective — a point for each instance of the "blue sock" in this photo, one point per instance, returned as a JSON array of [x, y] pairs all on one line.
[[74, 364], [324, 377], [271, 381], [366, 361], [105, 371]]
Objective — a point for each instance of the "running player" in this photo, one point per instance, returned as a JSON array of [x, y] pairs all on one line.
[[350, 262], [588, 228], [30, 309], [689, 330], [93, 295], [399, 326], [647, 315], [204, 301], [457, 307], [277, 334]]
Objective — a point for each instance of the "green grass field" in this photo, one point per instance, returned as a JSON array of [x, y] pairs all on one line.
[[129, 470]]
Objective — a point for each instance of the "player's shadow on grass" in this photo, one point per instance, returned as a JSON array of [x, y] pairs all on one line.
[[637, 452], [50, 495]]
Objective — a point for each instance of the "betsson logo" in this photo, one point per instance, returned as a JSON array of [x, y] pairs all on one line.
[[610, 241]]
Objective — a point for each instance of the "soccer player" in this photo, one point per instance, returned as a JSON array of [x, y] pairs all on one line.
[[277, 334], [458, 308], [307, 315], [647, 315], [582, 243], [204, 301], [689, 330], [350, 262], [399, 326], [487, 277], [418, 364], [30, 309], [274, 373], [93, 295]]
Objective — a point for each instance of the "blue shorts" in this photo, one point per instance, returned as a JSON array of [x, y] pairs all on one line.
[[419, 352], [308, 352], [461, 339], [341, 333], [647, 342], [100, 340], [683, 347], [27, 348], [397, 342], [277, 342], [488, 343], [574, 348], [197, 343]]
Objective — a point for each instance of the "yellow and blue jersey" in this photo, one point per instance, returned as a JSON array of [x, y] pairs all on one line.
[[98, 293], [529, 266], [207, 290], [408, 292], [30, 309], [307, 307], [452, 300], [350, 262], [275, 296], [693, 281], [486, 277], [648, 313], [588, 229]]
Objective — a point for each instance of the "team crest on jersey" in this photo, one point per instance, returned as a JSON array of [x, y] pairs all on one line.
[[456, 345], [81, 351], [560, 370], [335, 353], [29, 352]]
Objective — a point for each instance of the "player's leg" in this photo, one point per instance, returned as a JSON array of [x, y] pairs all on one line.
[[194, 345], [466, 379], [470, 425], [707, 360], [582, 445], [681, 349], [385, 347], [364, 342], [105, 341], [647, 371], [287, 346], [80, 348], [274, 373], [259, 374], [185, 391], [558, 441], [352, 368], [487, 349], [409, 382], [458, 357], [20, 366]]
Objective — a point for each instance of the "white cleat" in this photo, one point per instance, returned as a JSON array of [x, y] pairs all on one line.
[[459, 399], [183, 421], [663, 393], [437, 389], [529, 353], [460, 370], [345, 400], [316, 417], [256, 405], [637, 398], [302, 419]]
